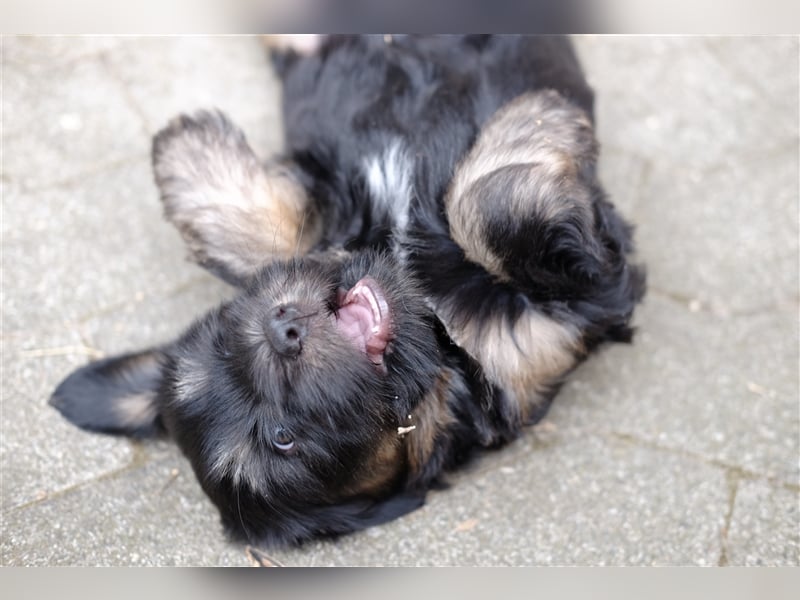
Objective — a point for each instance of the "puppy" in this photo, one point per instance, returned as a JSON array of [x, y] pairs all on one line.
[[418, 273]]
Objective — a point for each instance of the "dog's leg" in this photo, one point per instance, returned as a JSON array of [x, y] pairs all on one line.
[[234, 214], [548, 253]]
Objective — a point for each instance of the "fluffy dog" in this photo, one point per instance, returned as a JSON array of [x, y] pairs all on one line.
[[419, 271]]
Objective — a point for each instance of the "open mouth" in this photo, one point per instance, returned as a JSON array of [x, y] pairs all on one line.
[[364, 318]]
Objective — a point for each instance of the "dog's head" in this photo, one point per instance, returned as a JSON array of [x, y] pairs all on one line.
[[287, 399]]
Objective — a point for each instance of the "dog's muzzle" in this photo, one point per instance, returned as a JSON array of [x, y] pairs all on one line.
[[286, 329]]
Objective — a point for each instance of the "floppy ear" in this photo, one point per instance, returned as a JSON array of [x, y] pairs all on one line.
[[114, 395], [234, 214]]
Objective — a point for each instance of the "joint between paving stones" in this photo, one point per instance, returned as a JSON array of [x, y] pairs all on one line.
[[147, 127], [79, 178], [741, 473], [685, 302], [732, 478], [138, 460]]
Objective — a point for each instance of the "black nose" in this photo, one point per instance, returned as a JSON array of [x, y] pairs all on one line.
[[286, 329]]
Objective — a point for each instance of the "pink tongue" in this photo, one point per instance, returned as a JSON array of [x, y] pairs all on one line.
[[363, 318]]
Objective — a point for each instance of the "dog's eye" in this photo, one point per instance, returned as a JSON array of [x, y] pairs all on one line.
[[282, 440]]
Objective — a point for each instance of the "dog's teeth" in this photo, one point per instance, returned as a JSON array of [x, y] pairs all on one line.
[[373, 304]]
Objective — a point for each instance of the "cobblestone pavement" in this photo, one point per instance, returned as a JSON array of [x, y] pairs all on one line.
[[681, 449]]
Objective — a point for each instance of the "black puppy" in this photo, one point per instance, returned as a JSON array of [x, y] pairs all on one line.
[[418, 273]]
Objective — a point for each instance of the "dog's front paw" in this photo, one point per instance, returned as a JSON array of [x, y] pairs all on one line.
[[234, 214]]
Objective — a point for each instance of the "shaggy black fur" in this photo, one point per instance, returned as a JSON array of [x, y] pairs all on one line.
[[293, 429]]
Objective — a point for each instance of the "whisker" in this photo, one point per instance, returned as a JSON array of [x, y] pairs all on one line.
[[306, 316], [239, 511], [300, 235]]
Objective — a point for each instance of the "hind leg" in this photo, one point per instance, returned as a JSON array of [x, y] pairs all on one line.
[[543, 254]]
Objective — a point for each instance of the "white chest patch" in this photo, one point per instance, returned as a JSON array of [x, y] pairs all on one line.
[[389, 176]]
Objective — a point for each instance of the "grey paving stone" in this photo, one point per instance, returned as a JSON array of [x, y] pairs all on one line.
[[166, 76], [724, 389], [72, 251], [727, 239], [713, 202], [692, 101], [61, 121], [40, 453], [33, 51], [563, 499], [152, 515], [622, 175], [765, 526], [155, 319], [769, 63]]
